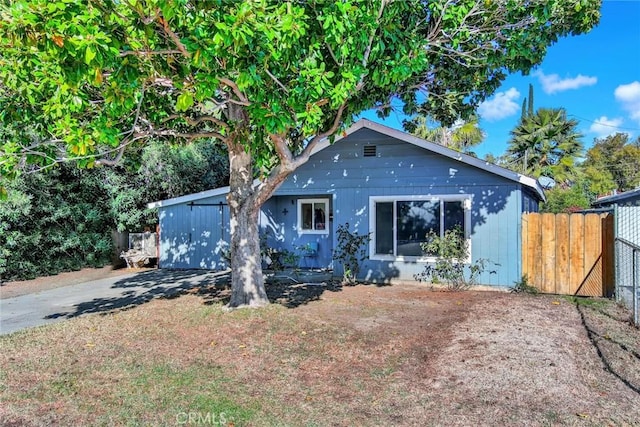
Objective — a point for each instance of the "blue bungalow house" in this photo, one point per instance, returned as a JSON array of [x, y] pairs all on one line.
[[381, 181]]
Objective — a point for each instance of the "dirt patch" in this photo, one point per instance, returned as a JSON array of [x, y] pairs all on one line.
[[528, 359], [24, 287], [617, 341], [362, 355]]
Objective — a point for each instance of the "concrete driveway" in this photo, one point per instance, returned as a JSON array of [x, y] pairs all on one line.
[[97, 296]]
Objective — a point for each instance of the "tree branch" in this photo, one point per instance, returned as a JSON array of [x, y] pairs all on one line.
[[115, 160], [243, 103], [234, 87], [120, 149], [186, 135], [287, 162], [306, 153], [197, 121], [149, 52], [367, 51], [158, 18], [282, 150], [275, 79], [147, 134], [173, 36], [333, 55]]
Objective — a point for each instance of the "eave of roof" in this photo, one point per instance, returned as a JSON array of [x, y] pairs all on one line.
[[189, 198], [527, 181], [617, 197]]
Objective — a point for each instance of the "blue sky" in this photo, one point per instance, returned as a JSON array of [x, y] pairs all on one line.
[[595, 77]]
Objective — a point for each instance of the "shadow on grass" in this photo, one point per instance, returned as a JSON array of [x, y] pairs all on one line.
[[212, 287], [144, 287], [290, 291]]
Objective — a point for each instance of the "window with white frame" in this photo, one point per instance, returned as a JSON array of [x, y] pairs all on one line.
[[313, 216], [400, 224]]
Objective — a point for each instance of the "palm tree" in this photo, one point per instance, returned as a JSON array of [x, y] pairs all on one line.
[[546, 144], [460, 137]]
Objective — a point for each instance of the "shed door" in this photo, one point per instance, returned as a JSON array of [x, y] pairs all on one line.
[[209, 236]]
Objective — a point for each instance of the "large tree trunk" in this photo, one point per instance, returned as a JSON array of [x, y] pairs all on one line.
[[247, 281]]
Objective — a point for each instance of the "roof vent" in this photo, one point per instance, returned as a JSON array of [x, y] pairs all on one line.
[[370, 151]]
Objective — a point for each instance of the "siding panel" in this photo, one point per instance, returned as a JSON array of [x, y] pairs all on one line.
[[194, 236], [403, 169], [341, 173]]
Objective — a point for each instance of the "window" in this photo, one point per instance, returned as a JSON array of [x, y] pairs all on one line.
[[400, 224], [312, 216]]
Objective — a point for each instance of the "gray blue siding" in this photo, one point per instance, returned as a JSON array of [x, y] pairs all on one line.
[[192, 236], [341, 172]]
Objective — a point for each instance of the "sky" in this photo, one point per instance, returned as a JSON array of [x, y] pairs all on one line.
[[595, 77]]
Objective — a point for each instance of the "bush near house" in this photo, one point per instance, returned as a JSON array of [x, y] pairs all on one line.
[[61, 219], [54, 222]]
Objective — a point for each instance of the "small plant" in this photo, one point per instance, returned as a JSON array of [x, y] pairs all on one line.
[[289, 259], [351, 251], [452, 252], [270, 256], [523, 286], [277, 259]]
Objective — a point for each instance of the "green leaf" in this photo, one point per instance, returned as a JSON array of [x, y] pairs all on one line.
[[185, 101], [89, 54]]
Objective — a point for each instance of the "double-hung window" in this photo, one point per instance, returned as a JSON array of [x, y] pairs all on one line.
[[313, 216], [400, 224]]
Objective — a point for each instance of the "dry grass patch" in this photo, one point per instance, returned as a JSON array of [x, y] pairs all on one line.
[[362, 355]]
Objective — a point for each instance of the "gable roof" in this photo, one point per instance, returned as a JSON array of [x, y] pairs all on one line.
[[526, 181]]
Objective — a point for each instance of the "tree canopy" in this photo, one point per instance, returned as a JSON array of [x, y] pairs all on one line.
[[268, 79], [546, 143], [461, 136], [613, 163], [568, 199]]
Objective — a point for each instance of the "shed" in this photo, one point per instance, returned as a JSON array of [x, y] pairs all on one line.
[[381, 181], [626, 211], [626, 198], [626, 208]]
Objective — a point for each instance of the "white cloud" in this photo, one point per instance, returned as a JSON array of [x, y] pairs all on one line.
[[502, 105], [605, 126], [629, 96], [552, 83]]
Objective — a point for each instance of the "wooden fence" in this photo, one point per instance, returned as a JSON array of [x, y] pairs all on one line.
[[569, 254]]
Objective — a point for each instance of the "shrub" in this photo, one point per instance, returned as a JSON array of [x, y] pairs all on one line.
[[523, 286], [276, 259], [351, 251], [452, 252], [53, 222]]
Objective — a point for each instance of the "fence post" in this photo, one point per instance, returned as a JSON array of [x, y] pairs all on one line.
[[616, 255], [636, 279]]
